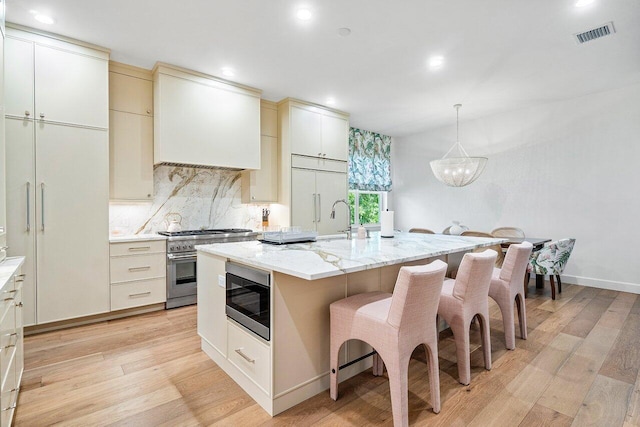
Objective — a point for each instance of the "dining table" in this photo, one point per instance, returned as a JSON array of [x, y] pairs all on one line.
[[538, 243]]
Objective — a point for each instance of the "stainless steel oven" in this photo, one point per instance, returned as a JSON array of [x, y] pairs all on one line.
[[182, 279], [248, 298]]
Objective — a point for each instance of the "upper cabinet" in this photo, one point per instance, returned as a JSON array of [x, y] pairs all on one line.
[[318, 132], [203, 120], [55, 81], [131, 133]]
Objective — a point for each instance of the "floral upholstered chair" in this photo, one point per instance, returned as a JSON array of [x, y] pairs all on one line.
[[551, 260]]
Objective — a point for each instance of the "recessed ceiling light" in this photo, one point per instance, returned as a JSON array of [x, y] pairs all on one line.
[[228, 72], [583, 3], [436, 62], [303, 14], [330, 101], [43, 18], [344, 32]]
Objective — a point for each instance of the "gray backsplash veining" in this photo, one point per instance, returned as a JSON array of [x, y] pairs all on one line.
[[205, 198]]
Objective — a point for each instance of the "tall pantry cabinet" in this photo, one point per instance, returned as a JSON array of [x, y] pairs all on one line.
[[57, 148]]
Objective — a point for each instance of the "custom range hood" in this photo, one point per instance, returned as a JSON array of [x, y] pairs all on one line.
[[204, 121]]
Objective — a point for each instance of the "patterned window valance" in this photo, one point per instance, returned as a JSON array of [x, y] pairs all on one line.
[[369, 161]]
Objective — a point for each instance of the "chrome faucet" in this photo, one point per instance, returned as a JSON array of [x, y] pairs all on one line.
[[333, 215]]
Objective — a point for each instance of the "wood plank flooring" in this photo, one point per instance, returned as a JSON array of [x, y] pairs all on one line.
[[580, 366]]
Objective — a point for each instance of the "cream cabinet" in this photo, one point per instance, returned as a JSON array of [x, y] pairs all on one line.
[[261, 185], [130, 133], [318, 132], [3, 196], [58, 174], [138, 273], [203, 120], [11, 338]]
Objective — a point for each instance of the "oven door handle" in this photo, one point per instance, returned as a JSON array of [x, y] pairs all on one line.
[[173, 257]]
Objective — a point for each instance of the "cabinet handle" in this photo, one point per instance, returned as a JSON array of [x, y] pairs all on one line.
[[244, 356], [12, 291], [28, 205], [146, 267], [315, 208], [324, 154], [19, 305], [319, 154], [148, 111], [140, 248], [42, 115], [319, 213], [27, 113], [21, 277], [42, 203], [141, 294]]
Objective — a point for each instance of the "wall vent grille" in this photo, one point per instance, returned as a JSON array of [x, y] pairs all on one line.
[[595, 33]]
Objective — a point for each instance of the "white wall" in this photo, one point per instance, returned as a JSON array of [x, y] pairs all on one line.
[[566, 169]]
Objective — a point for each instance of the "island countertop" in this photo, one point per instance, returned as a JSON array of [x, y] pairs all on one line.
[[332, 256]]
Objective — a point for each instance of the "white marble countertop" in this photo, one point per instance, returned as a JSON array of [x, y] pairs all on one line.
[[329, 257], [135, 238], [8, 268]]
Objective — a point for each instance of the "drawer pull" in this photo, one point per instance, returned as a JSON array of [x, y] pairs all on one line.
[[4, 347], [12, 291], [140, 248], [244, 356], [146, 267], [9, 408], [141, 294]]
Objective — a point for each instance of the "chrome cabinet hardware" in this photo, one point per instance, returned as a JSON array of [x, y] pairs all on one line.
[[244, 356], [319, 154], [20, 277], [315, 207], [319, 213], [143, 268], [182, 257], [42, 115], [148, 111], [27, 113], [140, 294], [140, 248], [42, 203], [28, 206], [19, 305], [12, 291]]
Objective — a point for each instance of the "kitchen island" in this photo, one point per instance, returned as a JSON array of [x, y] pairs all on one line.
[[305, 278]]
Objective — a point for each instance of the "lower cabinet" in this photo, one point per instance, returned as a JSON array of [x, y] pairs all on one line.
[[11, 340], [138, 273], [249, 354]]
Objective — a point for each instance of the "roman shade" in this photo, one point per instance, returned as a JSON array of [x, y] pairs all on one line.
[[369, 161]]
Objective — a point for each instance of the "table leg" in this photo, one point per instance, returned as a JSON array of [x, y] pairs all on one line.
[[539, 281]]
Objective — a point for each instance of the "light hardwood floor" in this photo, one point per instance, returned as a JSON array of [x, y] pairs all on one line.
[[579, 367]]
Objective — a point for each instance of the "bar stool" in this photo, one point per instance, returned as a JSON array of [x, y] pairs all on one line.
[[506, 287], [464, 298], [394, 325]]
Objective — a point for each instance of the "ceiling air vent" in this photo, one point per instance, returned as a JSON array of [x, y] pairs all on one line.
[[595, 33]]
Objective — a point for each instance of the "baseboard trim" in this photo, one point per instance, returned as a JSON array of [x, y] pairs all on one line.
[[633, 288]]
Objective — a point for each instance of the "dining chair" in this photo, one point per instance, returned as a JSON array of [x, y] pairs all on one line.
[[394, 325], [508, 232], [421, 230], [497, 248], [464, 298], [506, 287], [551, 260]]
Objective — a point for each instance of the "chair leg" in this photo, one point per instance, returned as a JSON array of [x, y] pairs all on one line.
[[485, 331], [460, 331], [559, 284], [378, 365], [527, 277], [431, 350], [506, 308], [522, 315], [398, 371], [335, 345], [553, 287]]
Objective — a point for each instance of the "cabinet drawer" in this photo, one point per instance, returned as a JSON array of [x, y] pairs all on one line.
[[136, 294], [317, 163], [8, 400], [251, 355], [138, 267], [8, 342], [141, 247]]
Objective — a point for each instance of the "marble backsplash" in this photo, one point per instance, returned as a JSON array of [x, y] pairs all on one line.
[[205, 198]]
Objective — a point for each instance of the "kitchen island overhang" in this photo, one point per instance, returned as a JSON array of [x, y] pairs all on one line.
[[305, 279]]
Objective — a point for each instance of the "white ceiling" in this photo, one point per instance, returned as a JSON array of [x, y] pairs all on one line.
[[500, 55]]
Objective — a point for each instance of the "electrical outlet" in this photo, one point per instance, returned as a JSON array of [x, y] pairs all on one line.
[[222, 281]]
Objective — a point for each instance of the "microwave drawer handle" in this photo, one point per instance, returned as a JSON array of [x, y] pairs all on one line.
[[244, 356]]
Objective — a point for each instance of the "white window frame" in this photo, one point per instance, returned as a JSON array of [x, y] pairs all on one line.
[[382, 205]]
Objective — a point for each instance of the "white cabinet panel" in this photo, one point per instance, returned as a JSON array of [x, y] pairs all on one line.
[[335, 137], [71, 88], [306, 132], [331, 186], [312, 195], [21, 197], [303, 199], [19, 73], [130, 94], [72, 212]]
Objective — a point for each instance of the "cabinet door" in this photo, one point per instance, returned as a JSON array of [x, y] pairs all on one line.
[[331, 186], [71, 88], [306, 132], [261, 185], [304, 206], [130, 94], [73, 222], [130, 156], [21, 196], [269, 122], [335, 137], [18, 77]]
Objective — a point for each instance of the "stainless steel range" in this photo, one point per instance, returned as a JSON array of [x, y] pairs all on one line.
[[181, 259]]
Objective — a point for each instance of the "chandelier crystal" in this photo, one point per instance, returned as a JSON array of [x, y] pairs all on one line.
[[459, 169]]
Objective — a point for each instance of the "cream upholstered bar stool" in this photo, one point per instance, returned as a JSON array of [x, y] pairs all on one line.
[[506, 287], [394, 325], [464, 298]]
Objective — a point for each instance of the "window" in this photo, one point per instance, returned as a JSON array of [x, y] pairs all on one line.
[[366, 206]]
